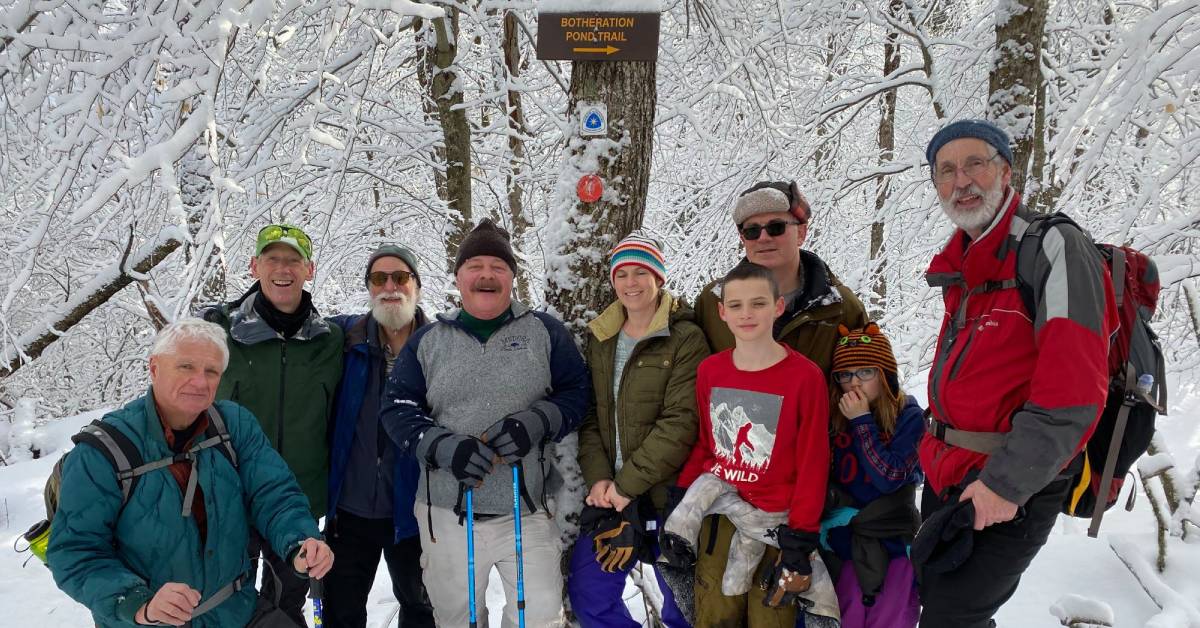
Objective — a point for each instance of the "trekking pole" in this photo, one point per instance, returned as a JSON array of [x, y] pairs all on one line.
[[471, 554], [516, 479], [316, 591]]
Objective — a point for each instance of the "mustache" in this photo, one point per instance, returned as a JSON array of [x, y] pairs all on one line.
[[486, 284], [378, 299], [973, 188]]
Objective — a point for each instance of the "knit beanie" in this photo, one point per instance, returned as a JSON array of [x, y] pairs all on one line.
[[399, 252], [978, 129], [771, 196], [638, 249], [487, 238], [865, 347]]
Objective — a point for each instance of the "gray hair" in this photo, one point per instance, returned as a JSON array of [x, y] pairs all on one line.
[[167, 340]]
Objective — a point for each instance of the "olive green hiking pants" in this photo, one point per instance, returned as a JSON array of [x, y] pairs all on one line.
[[714, 610]]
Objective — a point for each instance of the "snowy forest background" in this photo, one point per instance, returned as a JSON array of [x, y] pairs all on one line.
[[144, 143]]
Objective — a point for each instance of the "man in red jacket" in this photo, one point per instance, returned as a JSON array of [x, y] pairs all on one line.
[[1014, 394]]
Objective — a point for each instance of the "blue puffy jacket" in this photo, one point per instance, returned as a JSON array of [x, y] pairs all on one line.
[[113, 559]]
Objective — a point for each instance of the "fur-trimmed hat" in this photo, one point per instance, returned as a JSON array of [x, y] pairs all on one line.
[[765, 197]]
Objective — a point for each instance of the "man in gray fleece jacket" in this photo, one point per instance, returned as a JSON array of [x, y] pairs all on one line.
[[485, 387]]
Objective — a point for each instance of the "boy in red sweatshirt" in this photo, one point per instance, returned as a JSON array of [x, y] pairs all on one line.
[[764, 412]]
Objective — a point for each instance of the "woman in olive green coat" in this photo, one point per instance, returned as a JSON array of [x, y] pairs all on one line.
[[643, 352]]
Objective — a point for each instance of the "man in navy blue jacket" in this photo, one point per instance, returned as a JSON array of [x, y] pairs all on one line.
[[371, 483]]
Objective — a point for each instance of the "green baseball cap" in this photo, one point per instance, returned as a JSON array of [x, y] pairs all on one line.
[[284, 234]]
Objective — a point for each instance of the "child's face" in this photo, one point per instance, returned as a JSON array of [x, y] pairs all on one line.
[[869, 387], [749, 308]]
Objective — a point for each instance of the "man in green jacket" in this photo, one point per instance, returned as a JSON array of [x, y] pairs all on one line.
[[158, 557], [772, 219], [285, 361]]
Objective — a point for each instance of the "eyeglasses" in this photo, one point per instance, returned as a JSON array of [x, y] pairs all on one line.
[[775, 228], [973, 167], [398, 277], [865, 374], [271, 234]]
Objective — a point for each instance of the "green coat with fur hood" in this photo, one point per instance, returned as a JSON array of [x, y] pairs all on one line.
[[656, 408]]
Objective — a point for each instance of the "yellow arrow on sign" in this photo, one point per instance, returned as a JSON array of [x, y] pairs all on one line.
[[606, 50]]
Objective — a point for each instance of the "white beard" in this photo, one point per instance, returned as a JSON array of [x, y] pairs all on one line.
[[977, 219], [393, 315]]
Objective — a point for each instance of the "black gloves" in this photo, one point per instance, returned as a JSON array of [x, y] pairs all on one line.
[[467, 457], [676, 550], [619, 537], [792, 573], [514, 436]]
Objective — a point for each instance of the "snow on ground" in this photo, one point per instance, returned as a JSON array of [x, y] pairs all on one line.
[[1071, 563]]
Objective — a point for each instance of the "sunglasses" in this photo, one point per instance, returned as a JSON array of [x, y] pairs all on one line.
[[398, 277], [864, 375], [775, 228], [271, 234]]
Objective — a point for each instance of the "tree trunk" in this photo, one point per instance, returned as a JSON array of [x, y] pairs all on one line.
[[198, 197], [516, 146], [95, 293], [877, 303], [1016, 75], [438, 72], [583, 233]]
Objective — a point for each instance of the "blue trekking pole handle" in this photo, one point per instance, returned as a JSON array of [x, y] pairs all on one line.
[[471, 554], [516, 478]]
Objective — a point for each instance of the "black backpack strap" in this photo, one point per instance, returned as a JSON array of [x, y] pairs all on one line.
[[120, 451]]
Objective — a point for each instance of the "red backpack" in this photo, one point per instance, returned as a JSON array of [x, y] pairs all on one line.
[[1137, 390]]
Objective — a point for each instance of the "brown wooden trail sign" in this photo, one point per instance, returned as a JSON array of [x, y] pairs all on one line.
[[597, 36]]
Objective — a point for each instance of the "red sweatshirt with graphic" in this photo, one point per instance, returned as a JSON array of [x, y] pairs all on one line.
[[766, 433]]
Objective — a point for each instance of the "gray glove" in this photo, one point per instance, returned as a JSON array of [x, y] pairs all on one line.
[[467, 457], [514, 436]]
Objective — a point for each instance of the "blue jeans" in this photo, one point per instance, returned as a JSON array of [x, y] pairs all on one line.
[[596, 594]]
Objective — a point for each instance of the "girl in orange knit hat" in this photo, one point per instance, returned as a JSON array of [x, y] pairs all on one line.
[[873, 517]]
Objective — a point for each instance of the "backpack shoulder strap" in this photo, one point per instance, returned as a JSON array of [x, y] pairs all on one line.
[[117, 448], [217, 429], [1028, 245]]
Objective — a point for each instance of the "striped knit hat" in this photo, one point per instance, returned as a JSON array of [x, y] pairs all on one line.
[[639, 249], [859, 348]]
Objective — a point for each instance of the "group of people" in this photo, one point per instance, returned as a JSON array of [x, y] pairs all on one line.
[[757, 443]]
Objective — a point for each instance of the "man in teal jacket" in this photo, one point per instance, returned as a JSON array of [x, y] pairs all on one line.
[[155, 558], [285, 361]]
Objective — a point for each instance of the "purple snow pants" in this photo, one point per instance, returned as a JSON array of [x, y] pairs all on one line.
[[596, 595], [896, 606]]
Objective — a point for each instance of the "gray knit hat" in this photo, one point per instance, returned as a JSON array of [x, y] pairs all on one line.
[[399, 252], [771, 196]]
